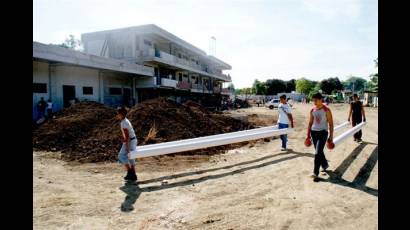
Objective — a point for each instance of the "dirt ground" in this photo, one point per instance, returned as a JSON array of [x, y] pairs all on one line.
[[253, 187]]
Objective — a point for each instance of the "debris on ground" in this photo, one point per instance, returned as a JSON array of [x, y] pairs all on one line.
[[89, 132]]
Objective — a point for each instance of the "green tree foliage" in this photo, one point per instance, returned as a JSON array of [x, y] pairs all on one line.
[[373, 84], [304, 86], [330, 84], [275, 86], [355, 83], [71, 43], [290, 85], [259, 88], [315, 89]]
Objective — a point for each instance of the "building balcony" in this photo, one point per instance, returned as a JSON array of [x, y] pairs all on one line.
[[168, 59], [169, 83]]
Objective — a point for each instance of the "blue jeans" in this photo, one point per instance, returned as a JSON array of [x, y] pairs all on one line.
[[123, 154], [283, 137], [319, 139]]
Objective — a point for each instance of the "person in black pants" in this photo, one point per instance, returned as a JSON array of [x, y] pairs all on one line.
[[357, 114], [320, 126]]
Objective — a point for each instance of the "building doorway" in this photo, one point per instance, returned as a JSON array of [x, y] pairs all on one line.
[[68, 94], [127, 97]]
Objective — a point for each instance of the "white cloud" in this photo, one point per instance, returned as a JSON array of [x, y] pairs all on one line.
[[334, 9]]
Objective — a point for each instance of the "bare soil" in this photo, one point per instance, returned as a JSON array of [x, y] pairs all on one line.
[[255, 186]]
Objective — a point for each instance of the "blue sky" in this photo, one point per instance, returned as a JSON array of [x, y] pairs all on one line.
[[282, 39]]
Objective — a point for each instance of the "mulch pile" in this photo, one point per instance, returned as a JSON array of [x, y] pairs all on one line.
[[89, 132]]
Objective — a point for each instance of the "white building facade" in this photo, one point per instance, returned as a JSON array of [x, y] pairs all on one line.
[[126, 66]]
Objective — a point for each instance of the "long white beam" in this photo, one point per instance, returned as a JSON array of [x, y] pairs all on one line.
[[341, 126], [348, 133], [212, 137], [208, 141]]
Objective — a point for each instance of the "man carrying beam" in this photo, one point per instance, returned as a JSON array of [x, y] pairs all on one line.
[[356, 112], [285, 116], [320, 126]]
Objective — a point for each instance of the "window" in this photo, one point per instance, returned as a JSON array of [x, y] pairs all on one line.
[[88, 90], [180, 76], [39, 88], [115, 91], [179, 55], [146, 42]]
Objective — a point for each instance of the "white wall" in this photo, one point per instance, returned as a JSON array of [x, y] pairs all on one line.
[[116, 80], [40, 75], [77, 76]]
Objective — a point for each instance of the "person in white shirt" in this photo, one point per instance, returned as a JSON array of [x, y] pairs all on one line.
[[285, 117], [129, 144]]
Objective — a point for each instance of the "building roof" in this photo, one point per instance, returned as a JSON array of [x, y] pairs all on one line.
[[59, 54], [154, 29]]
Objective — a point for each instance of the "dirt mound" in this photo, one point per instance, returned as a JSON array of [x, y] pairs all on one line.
[[89, 132]]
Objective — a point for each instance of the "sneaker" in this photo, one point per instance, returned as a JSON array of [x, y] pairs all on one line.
[[324, 169], [283, 149], [315, 177]]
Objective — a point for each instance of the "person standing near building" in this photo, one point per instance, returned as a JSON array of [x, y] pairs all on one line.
[[41, 108], [319, 127], [49, 108], [129, 143], [285, 117], [356, 113]]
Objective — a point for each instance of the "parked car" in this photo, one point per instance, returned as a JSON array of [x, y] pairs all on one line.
[[274, 103]]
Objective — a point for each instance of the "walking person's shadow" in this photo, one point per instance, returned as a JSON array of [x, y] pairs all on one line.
[[133, 191]]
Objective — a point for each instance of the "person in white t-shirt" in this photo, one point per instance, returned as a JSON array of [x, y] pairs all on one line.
[[285, 117], [129, 144]]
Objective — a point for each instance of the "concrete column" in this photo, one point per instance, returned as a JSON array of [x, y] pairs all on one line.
[[133, 85], [100, 87], [58, 102]]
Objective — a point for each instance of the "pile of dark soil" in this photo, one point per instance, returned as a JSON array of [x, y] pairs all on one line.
[[89, 132]]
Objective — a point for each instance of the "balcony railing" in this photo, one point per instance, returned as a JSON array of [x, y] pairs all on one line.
[[169, 82], [172, 60]]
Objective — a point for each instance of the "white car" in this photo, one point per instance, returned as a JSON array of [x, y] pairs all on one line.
[[274, 103]]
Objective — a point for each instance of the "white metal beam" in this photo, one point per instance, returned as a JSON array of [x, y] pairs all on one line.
[[348, 133], [208, 141]]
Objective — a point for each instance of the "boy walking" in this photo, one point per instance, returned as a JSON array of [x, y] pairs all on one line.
[[356, 112], [285, 117], [320, 126], [129, 143]]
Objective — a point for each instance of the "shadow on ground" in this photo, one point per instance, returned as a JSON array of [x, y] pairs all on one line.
[[133, 190]]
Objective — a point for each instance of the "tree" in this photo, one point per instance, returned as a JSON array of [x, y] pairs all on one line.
[[259, 88], [374, 82], [290, 86], [355, 83], [374, 78], [330, 84], [275, 86], [71, 43], [304, 85], [315, 89]]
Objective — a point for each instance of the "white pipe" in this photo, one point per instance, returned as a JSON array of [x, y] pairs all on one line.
[[341, 126], [205, 142], [348, 133], [212, 137]]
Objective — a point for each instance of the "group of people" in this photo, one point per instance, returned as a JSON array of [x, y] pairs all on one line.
[[320, 126], [42, 107], [319, 132]]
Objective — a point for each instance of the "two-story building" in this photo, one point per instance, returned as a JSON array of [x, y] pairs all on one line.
[[126, 66], [180, 69]]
